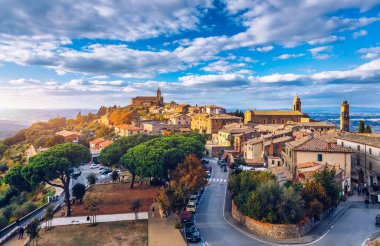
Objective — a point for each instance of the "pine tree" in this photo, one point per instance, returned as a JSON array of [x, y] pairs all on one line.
[[361, 126], [368, 129]]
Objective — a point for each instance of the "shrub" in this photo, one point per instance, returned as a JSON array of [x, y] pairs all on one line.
[[91, 178]]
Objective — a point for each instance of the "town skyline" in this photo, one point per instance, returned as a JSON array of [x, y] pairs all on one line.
[[239, 55]]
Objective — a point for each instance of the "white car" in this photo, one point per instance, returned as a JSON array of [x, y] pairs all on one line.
[[191, 207], [93, 166]]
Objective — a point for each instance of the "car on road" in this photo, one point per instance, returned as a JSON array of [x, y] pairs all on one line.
[[221, 162], [93, 166], [105, 171], [204, 161], [191, 207], [192, 233], [185, 217], [76, 173], [208, 174], [193, 199]]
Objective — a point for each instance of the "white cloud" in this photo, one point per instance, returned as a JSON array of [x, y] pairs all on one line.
[[123, 20], [279, 78], [265, 48], [288, 56], [325, 40], [223, 66], [360, 33], [370, 53], [316, 52]]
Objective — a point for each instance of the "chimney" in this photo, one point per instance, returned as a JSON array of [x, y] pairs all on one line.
[[328, 145]]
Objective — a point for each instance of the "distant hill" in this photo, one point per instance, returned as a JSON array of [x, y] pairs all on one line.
[[13, 120]]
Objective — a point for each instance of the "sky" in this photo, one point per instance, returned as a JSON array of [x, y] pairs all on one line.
[[233, 53]]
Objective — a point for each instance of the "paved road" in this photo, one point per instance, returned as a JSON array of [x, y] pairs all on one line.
[[352, 229]]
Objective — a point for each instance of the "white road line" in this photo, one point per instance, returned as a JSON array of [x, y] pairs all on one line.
[[225, 180], [217, 180]]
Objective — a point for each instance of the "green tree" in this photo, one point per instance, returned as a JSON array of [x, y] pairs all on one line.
[[91, 178], [326, 178], [290, 206], [16, 179], [361, 126], [315, 198], [54, 140], [135, 207], [49, 214], [32, 229], [79, 190], [156, 157], [57, 162], [92, 203], [114, 176], [368, 129], [112, 154]]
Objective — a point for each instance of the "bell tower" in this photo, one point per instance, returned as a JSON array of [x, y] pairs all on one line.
[[345, 116], [160, 99], [297, 103]]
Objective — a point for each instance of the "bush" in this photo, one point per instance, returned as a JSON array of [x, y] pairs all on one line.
[[3, 222], [91, 178], [3, 167]]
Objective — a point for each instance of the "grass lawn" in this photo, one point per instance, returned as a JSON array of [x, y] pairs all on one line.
[[120, 233], [118, 198]]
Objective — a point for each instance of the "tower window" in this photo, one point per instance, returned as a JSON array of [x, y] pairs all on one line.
[[370, 151], [358, 147], [370, 166]]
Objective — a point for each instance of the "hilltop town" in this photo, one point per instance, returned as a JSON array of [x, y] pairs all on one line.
[[138, 148]]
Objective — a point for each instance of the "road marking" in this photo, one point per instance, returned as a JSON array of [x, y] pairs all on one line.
[[225, 180], [217, 180]]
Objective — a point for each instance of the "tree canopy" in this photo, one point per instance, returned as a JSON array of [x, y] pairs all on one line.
[[155, 157]]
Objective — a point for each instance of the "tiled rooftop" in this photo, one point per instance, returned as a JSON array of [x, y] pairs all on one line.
[[315, 144]]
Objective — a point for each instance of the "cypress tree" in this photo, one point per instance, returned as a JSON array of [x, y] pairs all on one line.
[[368, 129], [361, 126]]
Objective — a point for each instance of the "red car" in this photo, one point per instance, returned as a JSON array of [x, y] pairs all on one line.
[[186, 216]]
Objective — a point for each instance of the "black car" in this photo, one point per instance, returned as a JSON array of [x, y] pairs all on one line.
[[204, 161], [192, 233]]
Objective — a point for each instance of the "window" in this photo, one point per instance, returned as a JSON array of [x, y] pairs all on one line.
[[370, 151], [290, 153], [370, 166], [342, 144], [272, 162], [319, 157], [358, 147], [358, 162]]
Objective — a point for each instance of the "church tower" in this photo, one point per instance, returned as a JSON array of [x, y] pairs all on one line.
[[160, 99], [297, 104], [345, 116]]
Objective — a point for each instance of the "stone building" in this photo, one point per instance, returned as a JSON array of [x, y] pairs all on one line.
[[365, 162], [276, 116], [125, 130], [311, 149], [147, 101], [180, 119], [345, 116], [211, 124]]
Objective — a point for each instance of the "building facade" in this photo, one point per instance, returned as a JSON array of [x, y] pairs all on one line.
[[211, 124], [125, 130], [365, 162], [147, 101]]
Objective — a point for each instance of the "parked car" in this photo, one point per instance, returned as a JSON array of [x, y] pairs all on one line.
[[193, 199], [105, 171], [185, 217], [221, 162], [208, 174], [191, 207], [192, 233], [93, 166], [204, 161]]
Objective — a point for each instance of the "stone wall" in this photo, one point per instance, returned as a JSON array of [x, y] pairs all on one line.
[[278, 231]]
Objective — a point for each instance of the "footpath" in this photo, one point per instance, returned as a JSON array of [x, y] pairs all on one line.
[[319, 229], [161, 231]]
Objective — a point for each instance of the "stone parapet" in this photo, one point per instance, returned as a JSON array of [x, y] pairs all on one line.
[[278, 231]]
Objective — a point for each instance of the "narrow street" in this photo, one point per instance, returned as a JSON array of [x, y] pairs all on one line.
[[352, 229]]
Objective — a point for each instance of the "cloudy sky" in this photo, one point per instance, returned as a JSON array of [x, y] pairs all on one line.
[[235, 53]]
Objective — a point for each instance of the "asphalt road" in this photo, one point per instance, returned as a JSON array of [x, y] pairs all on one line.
[[352, 229]]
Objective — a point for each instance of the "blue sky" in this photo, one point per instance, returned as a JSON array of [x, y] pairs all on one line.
[[235, 53]]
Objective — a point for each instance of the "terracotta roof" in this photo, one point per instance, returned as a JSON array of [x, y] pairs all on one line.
[[279, 112], [315, 144], [98, 140], [105, 143], [368, 139], [128, 127], [225, 116], [297, 142], [314, 124], [278, 140], [254, 141], [144, 97]]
